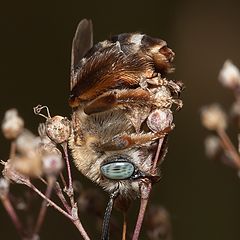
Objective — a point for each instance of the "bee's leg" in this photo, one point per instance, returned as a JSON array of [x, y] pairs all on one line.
[[175, 86], [126, 141], [107, 215], [118, 98]]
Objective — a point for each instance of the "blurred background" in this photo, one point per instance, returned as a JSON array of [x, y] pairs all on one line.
[[201, 195]]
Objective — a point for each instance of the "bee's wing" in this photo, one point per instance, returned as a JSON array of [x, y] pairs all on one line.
[[82, 42], [107, 69]]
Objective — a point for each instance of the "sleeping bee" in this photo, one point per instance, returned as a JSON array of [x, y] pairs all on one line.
[[118, 93]]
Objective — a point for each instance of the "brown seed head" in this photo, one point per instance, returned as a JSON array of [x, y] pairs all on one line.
[[4, 187], [52, 164], [58, 129], [229, 75], [12, 124], [213, 117], [27, 142], [160, 119], [11, 174], [212, 146]]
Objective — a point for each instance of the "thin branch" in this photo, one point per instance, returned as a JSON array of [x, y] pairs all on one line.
[[70, 185], [146, 187], [60, 195], [63, 181], [54, 205], [155, 161], [124, 230], [145, 192], [229, 147], [12, 214], [43, 210], [73, 217], [12, 150], [80, 228], [239, 143]]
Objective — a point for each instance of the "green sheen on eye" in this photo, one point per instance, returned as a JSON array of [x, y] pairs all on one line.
[[117, 170]]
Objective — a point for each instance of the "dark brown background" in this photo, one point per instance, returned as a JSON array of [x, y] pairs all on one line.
[[202, 196]]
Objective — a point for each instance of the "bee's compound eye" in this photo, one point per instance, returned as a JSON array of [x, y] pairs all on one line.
[[117, 170]]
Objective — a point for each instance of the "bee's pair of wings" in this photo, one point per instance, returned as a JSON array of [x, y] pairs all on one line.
[[103, 68]]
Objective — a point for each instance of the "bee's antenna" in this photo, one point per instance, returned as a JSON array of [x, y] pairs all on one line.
[[107, 215]]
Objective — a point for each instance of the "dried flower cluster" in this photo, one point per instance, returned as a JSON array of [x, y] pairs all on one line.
[[214, 118], [41, 157], [38, 157]]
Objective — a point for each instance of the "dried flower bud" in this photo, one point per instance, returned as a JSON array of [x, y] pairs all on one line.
[[20, 204], [46, 145], [158, 223], [12, 124], [28, 159], [229, 75], [160, 119], [161, 92], [29, 165], [11, 174], [212, 146], [4, 187], [58, 129], [27, 142], [52, 164], [213, 117]]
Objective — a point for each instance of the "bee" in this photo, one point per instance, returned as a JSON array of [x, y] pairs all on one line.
[[118, 88]]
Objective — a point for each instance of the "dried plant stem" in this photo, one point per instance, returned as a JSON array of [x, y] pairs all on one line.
[[124, 230], [11, 212], [155, 161], [63, 181], [70, 185], [238, 143], [43, 210], [145, 192], [12, 150], [80, 228], [60, 195], [54, 205], [74, 218], [146, 187], [229, 147], [43, 180]]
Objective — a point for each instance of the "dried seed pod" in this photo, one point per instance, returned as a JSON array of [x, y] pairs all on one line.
[[12, 124], [11, 174], [212, 146], [4, 187], [160, 119], [158, 223], [46, 145], [27, 142], [29, 165], [58, 129], [52, 164], [213, 117], [229, 75]]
